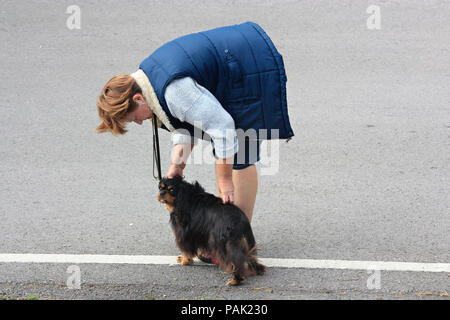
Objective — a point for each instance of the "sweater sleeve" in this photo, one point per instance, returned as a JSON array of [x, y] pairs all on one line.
[[190, 102]]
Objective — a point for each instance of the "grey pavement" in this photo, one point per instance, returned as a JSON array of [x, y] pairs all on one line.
[[366, 177]]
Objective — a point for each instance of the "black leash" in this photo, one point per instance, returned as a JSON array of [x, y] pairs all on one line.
[[156, 154]]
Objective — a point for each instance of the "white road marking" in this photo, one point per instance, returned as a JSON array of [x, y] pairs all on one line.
[[357, 265], [269, 262]]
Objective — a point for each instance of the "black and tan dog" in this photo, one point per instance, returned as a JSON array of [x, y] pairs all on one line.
[[202, 223]]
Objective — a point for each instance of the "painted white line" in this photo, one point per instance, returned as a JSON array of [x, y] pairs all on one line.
[[86, 258], [357, 265], [269, 262]]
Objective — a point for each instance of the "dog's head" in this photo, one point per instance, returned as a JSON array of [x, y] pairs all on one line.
[[178, 190], [168, 189]]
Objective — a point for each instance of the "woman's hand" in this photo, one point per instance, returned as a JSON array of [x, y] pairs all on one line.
[[175, 170], [226, 189]]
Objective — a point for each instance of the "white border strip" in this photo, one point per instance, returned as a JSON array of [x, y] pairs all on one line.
[[269, 262]]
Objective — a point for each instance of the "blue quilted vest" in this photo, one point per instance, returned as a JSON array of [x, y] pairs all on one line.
[[238, 64]]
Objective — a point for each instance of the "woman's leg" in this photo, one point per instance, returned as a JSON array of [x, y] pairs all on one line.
[[245, 189]]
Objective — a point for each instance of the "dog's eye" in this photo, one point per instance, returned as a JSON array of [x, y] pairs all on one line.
[[172, 190]]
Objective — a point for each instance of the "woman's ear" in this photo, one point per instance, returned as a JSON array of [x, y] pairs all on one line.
[[138, 98]]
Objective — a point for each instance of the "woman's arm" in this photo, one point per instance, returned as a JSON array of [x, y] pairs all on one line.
[[224, 179], [180, 154], [192, 103]]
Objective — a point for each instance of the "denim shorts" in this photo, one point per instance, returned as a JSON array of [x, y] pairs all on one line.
[[248, 153]]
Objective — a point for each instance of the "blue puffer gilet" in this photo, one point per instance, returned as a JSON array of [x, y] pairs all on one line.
[[238, 64]]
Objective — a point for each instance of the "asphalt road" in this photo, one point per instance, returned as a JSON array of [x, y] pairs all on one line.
[[366, 177]]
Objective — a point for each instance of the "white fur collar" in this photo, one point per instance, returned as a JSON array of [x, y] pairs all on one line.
[[151, 98]]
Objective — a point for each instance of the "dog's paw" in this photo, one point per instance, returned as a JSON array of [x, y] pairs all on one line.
[[184, 261], [234, 281]]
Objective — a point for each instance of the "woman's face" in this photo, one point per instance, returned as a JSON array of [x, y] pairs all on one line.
[[141, 113]]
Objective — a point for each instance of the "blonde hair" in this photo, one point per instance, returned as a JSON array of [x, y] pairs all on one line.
[[115, 101]]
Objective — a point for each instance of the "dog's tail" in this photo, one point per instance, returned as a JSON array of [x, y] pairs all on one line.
[[250, 246], [253, 265]]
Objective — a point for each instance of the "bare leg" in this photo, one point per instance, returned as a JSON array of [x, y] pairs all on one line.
[[245, 189]]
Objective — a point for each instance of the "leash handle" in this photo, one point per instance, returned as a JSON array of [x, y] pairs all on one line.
[[156, 153]]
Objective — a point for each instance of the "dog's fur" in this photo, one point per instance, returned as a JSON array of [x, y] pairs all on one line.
[[202, 223]]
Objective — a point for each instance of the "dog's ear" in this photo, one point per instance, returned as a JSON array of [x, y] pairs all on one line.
[[177, 179], [198, 187], [163, 180], [174, 180]]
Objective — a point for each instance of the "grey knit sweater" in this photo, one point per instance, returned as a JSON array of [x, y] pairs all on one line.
[[188, 101]]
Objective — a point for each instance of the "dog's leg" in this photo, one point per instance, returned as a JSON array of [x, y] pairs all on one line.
[[236, 262], [185, 259]]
